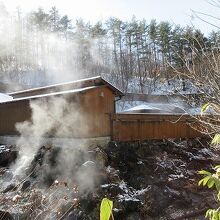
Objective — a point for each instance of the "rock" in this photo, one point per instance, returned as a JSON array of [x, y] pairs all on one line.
[[165, 166], [112, 189], [101, 158], [2, 171], [35, 198], [64, 206], [113, 175], [133, 216], [53, 216], [7, 155], [40, 155], [89, 203], [177, 183], [119, 213], [113, 151], [19, 214], [72, 216], [9, 187], [75, 214], [5, 215], [16, 198], [8, 175], [74, 194], [25, 185], [131, 205], [156, 200]]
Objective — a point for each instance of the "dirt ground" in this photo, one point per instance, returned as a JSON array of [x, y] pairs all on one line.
[[145, 180]]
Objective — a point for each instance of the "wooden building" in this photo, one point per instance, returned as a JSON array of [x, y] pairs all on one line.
[[90, 113], [91, 102]]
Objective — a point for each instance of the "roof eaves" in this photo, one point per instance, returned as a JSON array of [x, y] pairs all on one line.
[[74, 91]]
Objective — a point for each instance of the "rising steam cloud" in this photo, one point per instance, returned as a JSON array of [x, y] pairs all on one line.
[[39, 57], [34, 57], [56, 116]]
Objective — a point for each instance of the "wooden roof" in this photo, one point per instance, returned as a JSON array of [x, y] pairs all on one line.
[[83, 83]]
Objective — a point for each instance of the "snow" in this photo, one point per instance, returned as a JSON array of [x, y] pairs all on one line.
[[57, 93], [197, 111], [158, 107], [116, 210], [125, 106], [175, 176], [143, 107], [131, 194], [175, 87], [159, 87], [112, 170], [108, 185], [3, 148], [207, 152], [151, 86], [5, 98], [59, 84]]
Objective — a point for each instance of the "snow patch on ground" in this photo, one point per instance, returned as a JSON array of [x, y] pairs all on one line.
[[130, 194]]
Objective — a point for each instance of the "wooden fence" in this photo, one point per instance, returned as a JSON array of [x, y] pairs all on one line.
[[121, 127], [133, 127]]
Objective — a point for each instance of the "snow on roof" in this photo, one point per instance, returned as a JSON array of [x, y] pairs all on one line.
[[5, 98], [58, 84], [55, 93], [142, 107], [98, 79]]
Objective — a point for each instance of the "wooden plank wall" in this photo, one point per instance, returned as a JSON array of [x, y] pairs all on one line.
[[97, 108], [89, 116], [133, 127], [12, 113]]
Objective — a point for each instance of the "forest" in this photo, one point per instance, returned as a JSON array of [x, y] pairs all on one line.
[[48, 172], [44, 47]]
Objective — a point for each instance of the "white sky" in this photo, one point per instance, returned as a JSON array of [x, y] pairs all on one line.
[[176, 11]]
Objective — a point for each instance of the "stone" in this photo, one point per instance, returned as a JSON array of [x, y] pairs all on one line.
[[8, 175], [5, 215], [64, 206], [75, 214], [25, 185], [156, 200], [101, 158], [9, 187], [7, 155], [133, 216]]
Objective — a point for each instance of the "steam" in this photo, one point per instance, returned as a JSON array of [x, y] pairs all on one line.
[[39, 57], [35, 57], [57, 116]]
